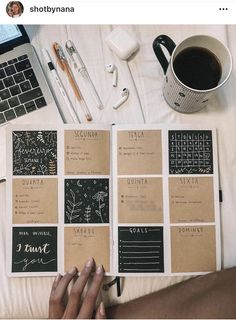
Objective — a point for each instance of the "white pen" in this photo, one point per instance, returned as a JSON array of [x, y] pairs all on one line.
[[79, 65], [60, 86]]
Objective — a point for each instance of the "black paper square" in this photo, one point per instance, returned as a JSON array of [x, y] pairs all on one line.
[[34, 152], [87, 200], [190, 152], [141, 249], [34, 249]]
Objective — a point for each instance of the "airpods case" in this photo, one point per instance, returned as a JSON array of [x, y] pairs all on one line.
[[122, 43]]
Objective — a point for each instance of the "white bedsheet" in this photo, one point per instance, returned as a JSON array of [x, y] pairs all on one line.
[[28, 297]]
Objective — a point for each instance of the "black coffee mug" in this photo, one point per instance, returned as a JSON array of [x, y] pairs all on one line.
[[189, 80]]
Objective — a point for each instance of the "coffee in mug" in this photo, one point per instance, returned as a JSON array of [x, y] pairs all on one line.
[[198, 68]]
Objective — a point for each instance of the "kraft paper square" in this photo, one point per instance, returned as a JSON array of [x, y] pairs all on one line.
[[191, 199], [87, 152], [139, 152], [140, 200], [81, 243], [193, 248], [34, 200]]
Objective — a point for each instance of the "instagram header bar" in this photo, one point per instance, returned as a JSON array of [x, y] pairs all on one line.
[[112, 12]]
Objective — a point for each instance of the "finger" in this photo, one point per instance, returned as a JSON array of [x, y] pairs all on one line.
[[62, 285], [51, 306], [56, 308], [89, 302], [100, 313], [54, 286], [77, 290], [55, 283]]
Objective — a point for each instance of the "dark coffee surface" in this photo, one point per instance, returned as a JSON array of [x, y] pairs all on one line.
[[197, 68]]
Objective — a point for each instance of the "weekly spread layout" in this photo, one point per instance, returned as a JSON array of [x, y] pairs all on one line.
[[140, 199]]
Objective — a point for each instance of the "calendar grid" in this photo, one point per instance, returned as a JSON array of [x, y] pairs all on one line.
[[190, 152]]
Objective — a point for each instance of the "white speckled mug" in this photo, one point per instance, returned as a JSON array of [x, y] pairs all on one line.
[[179, 94]]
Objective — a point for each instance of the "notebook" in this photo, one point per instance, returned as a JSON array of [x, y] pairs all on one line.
[[140, 199]]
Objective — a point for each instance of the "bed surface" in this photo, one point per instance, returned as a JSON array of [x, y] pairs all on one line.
[[28, 297]]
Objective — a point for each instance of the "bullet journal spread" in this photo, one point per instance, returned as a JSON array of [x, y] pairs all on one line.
[[140, 199]]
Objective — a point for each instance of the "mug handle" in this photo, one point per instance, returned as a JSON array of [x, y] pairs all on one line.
[[169, 44]]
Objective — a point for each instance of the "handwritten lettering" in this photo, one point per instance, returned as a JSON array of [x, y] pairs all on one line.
[[23, 233], [85, 134], [190, 229], [136, 134], [39, 151], [46, 233], [28, 262], [142, 230], [137, 181], [188, 180], [83, 230], [36, 181], [28, 248]]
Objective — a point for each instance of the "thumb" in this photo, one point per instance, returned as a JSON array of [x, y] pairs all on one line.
[[100, 313]]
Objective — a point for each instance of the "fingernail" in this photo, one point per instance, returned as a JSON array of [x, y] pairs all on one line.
[[102, 309], [99, 269], [89, 263], [72, 270]]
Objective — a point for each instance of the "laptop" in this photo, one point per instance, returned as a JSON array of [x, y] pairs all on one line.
[[25, 96]]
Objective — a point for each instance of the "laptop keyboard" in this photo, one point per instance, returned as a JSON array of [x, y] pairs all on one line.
[[19, 89]]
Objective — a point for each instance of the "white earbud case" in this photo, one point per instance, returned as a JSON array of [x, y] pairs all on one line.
[[122, 43]]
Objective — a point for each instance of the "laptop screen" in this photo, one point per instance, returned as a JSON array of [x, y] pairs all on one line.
[[9, 33], [12, 36]]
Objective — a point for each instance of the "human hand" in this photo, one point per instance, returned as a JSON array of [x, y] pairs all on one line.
[[74, 307]]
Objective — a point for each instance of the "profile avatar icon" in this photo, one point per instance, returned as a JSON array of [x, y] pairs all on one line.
[[14, 9]]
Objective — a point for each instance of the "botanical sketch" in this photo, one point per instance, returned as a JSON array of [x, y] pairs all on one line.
[[87, 201]]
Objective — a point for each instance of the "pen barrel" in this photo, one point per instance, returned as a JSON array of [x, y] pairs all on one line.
[[72, 82], [85, 75], [77, 92], [86, 110], [80, 66]]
